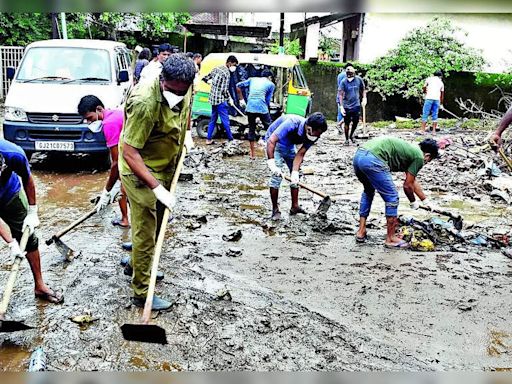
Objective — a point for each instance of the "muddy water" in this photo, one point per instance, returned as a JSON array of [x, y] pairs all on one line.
[[301, 299]]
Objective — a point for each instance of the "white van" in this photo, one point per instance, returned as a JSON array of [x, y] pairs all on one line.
[[41, 105]]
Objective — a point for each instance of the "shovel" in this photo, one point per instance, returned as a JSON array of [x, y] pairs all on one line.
[[365, 134], [325, 204], [505, 158], [455, 219], [145, 332], [11, 325], [66, 251]]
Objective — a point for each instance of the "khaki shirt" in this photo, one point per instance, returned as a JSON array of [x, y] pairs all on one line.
[[156, 130]]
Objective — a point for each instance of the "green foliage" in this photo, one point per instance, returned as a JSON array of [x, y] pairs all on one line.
[[329, 45], [290, 47], [24, 28], [434, 47], [503, 80]]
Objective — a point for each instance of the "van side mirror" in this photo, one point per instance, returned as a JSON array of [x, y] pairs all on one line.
[[123, 76], [10, 72]]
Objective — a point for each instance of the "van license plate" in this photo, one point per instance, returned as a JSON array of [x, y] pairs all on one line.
[[55, 146]]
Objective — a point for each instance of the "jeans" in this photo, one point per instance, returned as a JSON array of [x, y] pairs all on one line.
[[282, 155], [374, 174], [222, 111], [340, 116], [430, 107]]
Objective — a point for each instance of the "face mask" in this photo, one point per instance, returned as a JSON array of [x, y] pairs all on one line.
[[350, 75], [172, 99], [311, 138], [3, 166], [95, 126], [232, 68]]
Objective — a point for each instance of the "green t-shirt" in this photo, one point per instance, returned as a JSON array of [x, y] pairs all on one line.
[[156, 130], [398, 154]]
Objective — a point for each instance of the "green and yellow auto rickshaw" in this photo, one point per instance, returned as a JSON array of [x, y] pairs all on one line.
[[291, 96]]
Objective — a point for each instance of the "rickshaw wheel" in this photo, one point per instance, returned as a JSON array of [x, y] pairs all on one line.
[[202, 128]]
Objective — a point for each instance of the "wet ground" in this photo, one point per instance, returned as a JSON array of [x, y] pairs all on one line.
[[295, 295]]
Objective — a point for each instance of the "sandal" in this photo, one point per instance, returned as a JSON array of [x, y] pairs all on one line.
[[402, 244], [54, 297], [361, 240], [118, 223], [294, 211]]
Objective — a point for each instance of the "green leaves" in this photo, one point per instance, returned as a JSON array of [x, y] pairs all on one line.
[[290, 47], [421, 52]]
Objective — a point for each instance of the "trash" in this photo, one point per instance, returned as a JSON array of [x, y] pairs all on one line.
[[308, 171], [84, 319], [192, 225], [233, 236], [501, 194], [479, 240], [234, 252], [425, 245], [37, 361], [192, 328], [186, 176]]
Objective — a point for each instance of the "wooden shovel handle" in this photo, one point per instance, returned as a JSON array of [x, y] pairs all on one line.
[[71, 226], [146, 315], [307, 187], [13, 275], [505, 158]]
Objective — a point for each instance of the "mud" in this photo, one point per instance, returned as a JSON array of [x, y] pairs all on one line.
[[299, 294]]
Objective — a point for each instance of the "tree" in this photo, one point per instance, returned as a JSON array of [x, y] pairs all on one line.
[[424, 50], [24, 28], [290, 47], [329, 45]]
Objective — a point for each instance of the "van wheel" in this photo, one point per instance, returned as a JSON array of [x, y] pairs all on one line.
[[202, 128]]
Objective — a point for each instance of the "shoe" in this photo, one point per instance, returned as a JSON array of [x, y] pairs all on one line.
[[124, 261], [158, 303], [127, 246], [294, 211], [346, 143], [128, 271], [276, 215], [361, 240]]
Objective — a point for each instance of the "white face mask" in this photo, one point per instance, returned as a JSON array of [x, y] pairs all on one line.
[[232, 68], [311, 138], [95, 126], [172, 98]]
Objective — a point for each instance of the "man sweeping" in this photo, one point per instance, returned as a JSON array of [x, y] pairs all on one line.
[[156, 119], [282, 137], [18, 209], [373, 164]]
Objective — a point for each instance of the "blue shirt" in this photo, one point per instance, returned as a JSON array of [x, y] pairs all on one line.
[[353, 90], [290, 131], [261, 90], [17, 165], [341, 77]]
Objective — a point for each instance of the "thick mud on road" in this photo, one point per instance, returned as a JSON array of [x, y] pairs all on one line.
[[298, 294]]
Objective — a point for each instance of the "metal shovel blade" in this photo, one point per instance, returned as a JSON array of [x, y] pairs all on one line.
[[324, 206], [146, 333], [64, 250], [13, 326]]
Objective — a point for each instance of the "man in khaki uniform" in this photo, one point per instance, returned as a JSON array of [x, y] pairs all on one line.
[[156, 118]]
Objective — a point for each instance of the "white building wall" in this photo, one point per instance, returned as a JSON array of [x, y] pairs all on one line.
[[492, 33]]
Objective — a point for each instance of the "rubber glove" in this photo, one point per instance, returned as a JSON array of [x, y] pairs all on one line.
[[441, 107], [189, 142], [242, 103], [415, 204], [31, 221], [271, 163], [427, 204], [103, 201], [295, 177], [15, 249], [342, 110], [165, 197], [363, 102], [231, 102]]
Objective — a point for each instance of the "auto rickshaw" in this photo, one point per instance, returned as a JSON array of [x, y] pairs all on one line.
[[291, 96]]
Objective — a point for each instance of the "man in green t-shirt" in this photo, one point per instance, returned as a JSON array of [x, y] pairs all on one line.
[[373, 164], [156, 118]]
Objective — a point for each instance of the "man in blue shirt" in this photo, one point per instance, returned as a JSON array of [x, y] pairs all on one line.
[[261, 90], [352, 96], [342, 76], [281, 138], [18, 210]]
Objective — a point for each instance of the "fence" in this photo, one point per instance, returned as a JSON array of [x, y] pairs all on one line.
[[9, 57]]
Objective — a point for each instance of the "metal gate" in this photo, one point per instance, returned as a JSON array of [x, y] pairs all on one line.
[[9, 57]]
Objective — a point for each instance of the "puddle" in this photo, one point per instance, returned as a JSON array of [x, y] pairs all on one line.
[[13, 357]]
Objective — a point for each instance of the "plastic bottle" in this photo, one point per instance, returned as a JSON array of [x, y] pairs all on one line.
[[37, 361]]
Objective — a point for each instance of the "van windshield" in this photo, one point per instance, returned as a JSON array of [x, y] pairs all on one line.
[[50, 64]]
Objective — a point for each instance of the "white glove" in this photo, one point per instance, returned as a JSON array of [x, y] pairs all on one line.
[[415, 204], [189, 142], [231, 102], [295, 177], [342, 110], [103, 201], [31, 221], [15, 249], [242, 103], [363, 102], [115, 191], [441, 107], [165, 197], [271, 163], [209, 82]]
